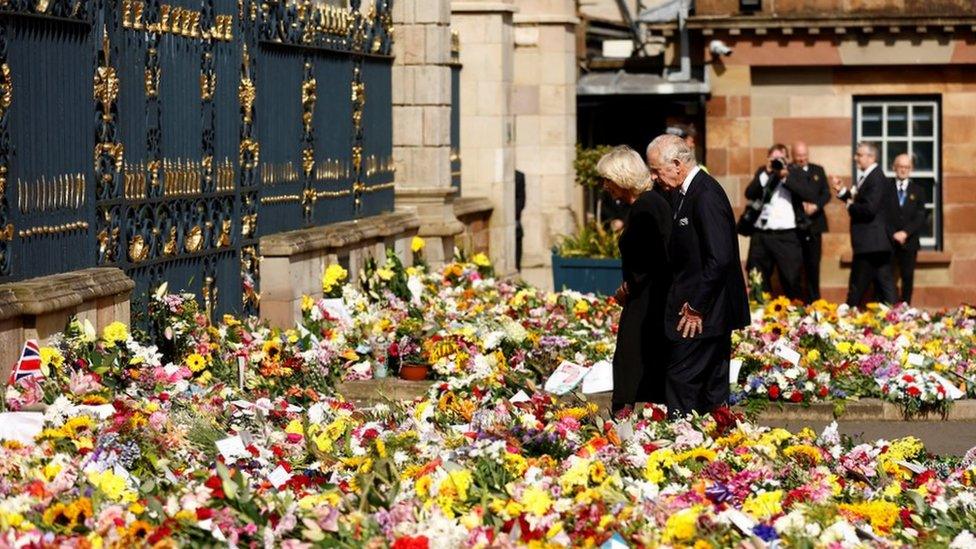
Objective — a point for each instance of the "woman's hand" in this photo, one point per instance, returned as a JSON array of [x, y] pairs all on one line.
[[621, 295]]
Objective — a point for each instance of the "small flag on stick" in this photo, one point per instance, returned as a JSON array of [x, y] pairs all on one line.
[[29, 363]]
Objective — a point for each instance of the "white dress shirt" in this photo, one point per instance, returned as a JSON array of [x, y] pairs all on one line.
[[777, 214], [687, 182]]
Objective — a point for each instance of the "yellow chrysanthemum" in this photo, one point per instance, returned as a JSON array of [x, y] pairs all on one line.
[[765, 505], [481, 260], [417, 244], [681, 526], [881, 514], [115, 332]]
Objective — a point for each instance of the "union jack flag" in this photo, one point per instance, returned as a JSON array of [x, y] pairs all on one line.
[[29, 363]]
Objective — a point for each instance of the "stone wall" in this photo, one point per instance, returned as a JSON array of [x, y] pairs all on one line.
[[41, 307], [293, 262], [544, 104], [485, 36], [475, 214], [756, 101], [421, 81]]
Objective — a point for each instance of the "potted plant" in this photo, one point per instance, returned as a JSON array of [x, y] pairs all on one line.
[[404, 353], [588, 261]]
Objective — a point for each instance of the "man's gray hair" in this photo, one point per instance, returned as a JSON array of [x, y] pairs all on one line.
[[870, 146], [672, 147]]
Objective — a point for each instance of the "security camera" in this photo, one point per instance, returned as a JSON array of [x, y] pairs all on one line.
[[717, 47]]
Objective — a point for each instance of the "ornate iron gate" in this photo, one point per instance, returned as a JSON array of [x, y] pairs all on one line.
[[215, 122]]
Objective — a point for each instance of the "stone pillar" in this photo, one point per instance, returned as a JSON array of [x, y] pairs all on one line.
[[422, 121], [488, 169], [544, 104]]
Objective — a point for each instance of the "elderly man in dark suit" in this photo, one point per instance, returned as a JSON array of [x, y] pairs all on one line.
[[867, 206], [906, 219], [707, 299], [811, 238]]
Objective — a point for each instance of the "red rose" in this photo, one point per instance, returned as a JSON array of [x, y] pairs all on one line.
[[908, 378], [811, 373], [797, 396], [203, 513], [411, 542], [823, 392], [773, 392], [914, 391]]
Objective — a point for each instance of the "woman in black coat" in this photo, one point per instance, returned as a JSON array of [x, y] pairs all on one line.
[[642, 351]]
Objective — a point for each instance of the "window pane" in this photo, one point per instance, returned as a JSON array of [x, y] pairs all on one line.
[[893, 149], [922, 155], [898, 121], [871, 121], [928, 188], [922, 125]]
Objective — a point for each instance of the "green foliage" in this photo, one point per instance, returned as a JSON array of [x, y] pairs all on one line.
[[592, 240], [585, 165]]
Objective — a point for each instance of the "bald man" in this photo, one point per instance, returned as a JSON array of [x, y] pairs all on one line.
[[811, 238], [907, 218]]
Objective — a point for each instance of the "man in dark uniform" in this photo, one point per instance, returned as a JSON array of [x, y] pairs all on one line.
[[906, 218], [867, 205], [811, 239], [707, 300]]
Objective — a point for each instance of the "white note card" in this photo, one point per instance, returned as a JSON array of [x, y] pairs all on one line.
[[916, 359], [279, 477], [232, 448], [734, 366], [788, 354], [520, 396]]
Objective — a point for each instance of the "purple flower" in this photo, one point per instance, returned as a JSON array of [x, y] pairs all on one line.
[[765, 532]]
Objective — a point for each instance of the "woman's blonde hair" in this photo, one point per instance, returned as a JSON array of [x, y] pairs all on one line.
[[626, 169]]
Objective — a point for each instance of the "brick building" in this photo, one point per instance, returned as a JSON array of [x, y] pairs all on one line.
[[896, 72]]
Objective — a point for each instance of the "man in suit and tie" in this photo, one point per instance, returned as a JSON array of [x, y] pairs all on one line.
[[867, 205], [707, 299], [906, 218], [811, 239]]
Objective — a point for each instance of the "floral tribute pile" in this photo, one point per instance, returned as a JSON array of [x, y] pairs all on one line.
[[917, 359], [194, 433]]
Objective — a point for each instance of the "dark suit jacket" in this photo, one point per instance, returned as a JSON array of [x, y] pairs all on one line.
[[641, 358], [705, 260], [797, 182], [910, 217], [817, 181], [868, 212]]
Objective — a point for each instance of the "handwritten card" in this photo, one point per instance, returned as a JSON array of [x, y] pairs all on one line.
[[566, 377]]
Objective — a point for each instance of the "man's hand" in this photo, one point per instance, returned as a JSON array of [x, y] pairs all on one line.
[[690, 323], [900, 237], [621, 295], [810, 208], [836, 184]]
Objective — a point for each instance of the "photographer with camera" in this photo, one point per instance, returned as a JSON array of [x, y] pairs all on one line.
[[774, 219]]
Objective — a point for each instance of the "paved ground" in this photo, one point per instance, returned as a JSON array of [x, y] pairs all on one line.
[[940, 437]]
